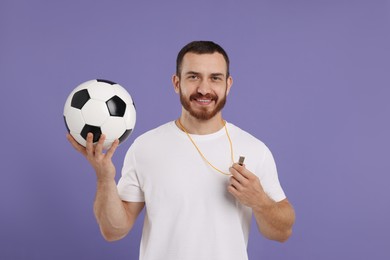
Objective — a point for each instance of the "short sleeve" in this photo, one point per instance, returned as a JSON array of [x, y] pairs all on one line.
[[129, 188], [268, 175]]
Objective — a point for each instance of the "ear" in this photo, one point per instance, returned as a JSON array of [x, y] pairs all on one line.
[[229, 83], [176, 83]]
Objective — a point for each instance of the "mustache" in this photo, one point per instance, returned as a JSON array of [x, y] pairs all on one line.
[[200, 96]]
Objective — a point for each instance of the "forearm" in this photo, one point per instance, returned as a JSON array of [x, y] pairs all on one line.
[[110, 212], [275, 219]]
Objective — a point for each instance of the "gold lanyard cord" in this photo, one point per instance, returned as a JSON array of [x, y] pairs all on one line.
[[200, 152]]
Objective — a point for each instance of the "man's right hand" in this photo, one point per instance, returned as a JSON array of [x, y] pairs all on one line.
[[100, 161], [115, 217]]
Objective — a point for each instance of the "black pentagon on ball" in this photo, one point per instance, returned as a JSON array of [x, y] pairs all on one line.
[[116, 106], [95, 130], [106, 81], [80, 98], [125, 135]]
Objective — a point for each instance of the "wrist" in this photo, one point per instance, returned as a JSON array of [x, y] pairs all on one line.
[[105, 180], [263, 204]]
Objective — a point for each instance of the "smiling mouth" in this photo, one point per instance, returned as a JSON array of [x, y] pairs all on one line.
[[203, 100]]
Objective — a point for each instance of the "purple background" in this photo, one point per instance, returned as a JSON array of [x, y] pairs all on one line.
[[311, 80]]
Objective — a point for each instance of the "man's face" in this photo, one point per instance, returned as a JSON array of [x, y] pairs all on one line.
[[203, 85]]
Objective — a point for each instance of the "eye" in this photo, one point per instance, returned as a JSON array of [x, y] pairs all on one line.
[[216, 78], [192, 77]]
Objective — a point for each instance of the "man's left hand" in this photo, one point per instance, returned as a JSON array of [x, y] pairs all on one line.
[[246, 187]]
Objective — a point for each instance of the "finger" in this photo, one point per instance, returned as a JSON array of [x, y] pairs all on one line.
[[99, 145], [89, 145], [237, 174], [233, 191], [235, 184], [243, 171], [111, 151]]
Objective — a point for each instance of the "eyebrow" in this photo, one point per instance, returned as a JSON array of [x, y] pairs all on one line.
[[198, 73], [192, 73], [217, 74]]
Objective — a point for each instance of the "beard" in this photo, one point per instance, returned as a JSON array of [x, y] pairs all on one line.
[[202, 113]]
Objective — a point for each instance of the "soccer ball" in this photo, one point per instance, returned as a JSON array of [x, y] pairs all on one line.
[[99, 106]]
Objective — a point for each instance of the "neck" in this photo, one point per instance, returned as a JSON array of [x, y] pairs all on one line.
[[201, 127]]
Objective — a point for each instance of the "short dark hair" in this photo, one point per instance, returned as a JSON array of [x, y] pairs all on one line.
[[201, 47]]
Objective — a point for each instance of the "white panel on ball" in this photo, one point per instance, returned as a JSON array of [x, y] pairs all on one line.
[[95, 112], [74, 119], [130, 117], [100, 91], [113, 128]]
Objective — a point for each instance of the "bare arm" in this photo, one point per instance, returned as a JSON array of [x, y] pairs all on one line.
[[114, 216], [274, 219]]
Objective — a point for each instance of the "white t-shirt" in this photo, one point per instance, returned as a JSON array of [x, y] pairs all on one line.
[[190, 215]]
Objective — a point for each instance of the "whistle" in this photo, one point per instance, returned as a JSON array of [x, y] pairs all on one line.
[[241, 160]]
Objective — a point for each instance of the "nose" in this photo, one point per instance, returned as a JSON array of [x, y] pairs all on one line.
[[204, 87]]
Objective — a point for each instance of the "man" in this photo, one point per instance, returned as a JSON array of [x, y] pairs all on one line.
[[199, 200]]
